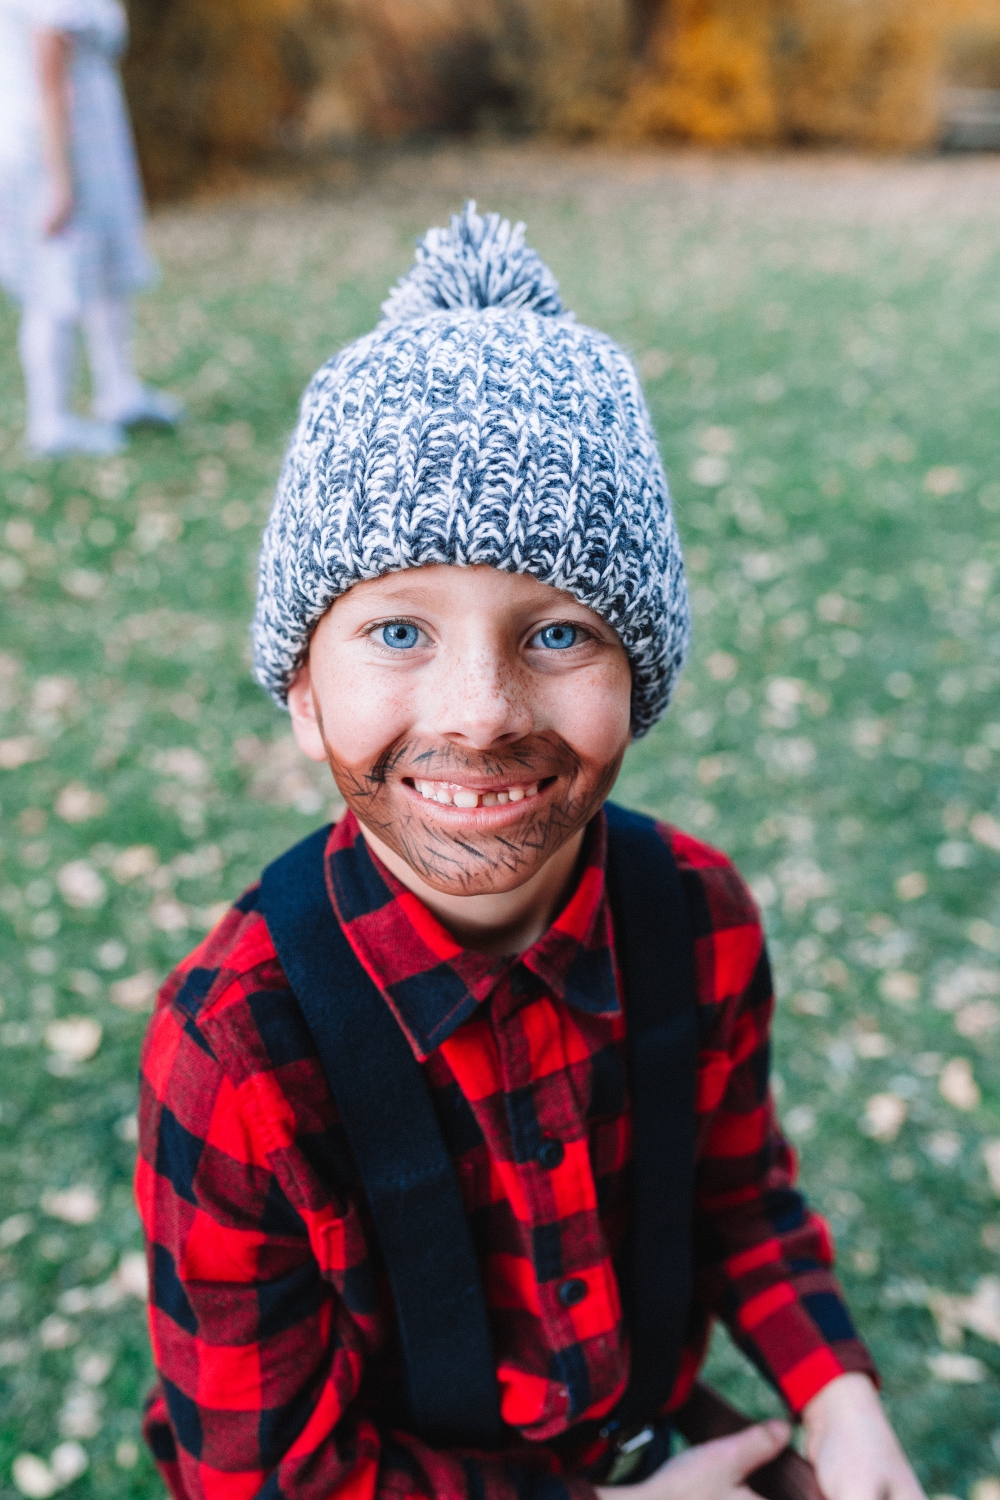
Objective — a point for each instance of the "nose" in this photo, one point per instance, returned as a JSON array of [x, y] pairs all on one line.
[[481, 700]]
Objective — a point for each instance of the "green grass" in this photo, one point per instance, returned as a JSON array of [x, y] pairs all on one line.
[[819, 340]]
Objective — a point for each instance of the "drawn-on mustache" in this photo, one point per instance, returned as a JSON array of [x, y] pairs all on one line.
[[528, 760]]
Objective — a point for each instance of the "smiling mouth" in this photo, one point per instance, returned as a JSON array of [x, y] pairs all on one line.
[[454, 794]]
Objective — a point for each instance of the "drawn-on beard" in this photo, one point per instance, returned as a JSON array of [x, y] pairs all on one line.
[[468, 861]]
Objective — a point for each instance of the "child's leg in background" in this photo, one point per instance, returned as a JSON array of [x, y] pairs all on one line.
[[47, 346], [119, 394], [107, 327]]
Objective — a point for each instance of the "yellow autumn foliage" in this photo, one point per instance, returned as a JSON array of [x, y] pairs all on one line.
[[861, 72], [708, 76]]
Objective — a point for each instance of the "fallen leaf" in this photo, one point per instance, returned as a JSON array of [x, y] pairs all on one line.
[[55, 1332], [957, 1086], [74, 1205], [76, 803], [80, 885], [957, 1369], [978, 1018], [135, 993], [75, 1037], [132, 1275], [134, 862], [68, 1461], [899, 987], [82, 583], [33, 1477], [168, 915], [884, 1116], [943, 480], [985, 830], [20, 751], [991, 1156], [184, 763]]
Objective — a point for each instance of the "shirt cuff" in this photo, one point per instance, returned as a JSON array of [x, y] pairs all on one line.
[[807, 1377]]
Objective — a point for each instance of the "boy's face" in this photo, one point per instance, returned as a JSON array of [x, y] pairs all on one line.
[[474, 720]]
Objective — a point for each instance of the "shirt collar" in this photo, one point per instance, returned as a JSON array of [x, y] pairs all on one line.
[[430, 982]]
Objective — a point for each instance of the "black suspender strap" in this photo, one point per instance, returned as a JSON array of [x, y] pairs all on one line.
[[404, 1164], [408, 1175], [655, 951]]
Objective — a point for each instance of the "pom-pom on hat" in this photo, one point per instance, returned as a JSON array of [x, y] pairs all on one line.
[[477, 423]]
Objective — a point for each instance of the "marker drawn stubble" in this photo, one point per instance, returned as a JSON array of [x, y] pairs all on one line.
[[458, 861]]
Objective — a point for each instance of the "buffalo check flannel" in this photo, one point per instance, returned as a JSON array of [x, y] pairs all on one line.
[[271, 1318]]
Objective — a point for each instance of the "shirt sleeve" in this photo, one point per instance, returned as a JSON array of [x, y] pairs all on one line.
[[264, 1310], [763, 1259]]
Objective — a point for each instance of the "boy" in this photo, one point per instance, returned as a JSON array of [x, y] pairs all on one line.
[[471, 598]]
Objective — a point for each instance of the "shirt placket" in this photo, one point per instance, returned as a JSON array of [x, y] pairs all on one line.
[[577, 1289]]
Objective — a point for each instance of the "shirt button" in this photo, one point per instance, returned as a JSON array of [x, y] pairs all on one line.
[[572, 1291], [550, 1154]]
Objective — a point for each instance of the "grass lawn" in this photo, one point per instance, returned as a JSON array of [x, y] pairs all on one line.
[[819, 340]]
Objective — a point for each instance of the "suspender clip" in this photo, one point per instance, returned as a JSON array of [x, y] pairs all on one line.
[[627, 1454]]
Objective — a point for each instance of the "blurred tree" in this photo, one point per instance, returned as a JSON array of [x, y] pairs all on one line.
[[798, 70], [708, 74], [210, 82], [213, 82]]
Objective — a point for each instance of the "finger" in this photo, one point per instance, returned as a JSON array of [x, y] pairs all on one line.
[[755, 1446]]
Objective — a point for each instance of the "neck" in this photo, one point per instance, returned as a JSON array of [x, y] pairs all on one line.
[[500, 923]]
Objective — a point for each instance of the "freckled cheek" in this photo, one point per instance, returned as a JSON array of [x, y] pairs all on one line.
[[363, 715], [593, 715]]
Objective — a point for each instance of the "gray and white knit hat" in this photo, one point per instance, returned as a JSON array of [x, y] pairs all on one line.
[[477, 423]]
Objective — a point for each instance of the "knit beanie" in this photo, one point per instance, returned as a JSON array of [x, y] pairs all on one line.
[[477, 423]]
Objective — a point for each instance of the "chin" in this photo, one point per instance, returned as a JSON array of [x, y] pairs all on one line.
[[486, 883]]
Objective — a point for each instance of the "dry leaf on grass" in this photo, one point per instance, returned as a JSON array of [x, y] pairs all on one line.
[[884, 1116], [957, 1369], [283, 777], [978, 1313], [137, 992], [957, 1086]]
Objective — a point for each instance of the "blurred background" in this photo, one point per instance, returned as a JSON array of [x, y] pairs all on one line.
[[790, 214], [215, 86]]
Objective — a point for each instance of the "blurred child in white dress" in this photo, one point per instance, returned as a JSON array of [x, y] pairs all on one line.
[[72, 249]]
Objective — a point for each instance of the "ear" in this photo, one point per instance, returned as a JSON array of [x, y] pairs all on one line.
[[305, 720]]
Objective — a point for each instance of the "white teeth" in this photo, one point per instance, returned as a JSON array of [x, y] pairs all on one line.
[[436, 791]]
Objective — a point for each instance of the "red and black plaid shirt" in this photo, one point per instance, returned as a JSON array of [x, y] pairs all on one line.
[[272, 1323]]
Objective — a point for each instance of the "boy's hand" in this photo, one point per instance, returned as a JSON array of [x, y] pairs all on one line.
[[855, 1452], [711, 1471]]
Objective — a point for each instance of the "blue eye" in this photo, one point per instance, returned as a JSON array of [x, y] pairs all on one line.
[[399, 635], [557, 637]]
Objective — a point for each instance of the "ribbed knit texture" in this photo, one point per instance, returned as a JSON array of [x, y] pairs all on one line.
[[477, 423]]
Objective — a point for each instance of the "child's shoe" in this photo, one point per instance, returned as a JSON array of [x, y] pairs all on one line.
[[72, 434], [150, 406]]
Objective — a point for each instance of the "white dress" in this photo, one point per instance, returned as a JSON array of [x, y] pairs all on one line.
[[102, 252]]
